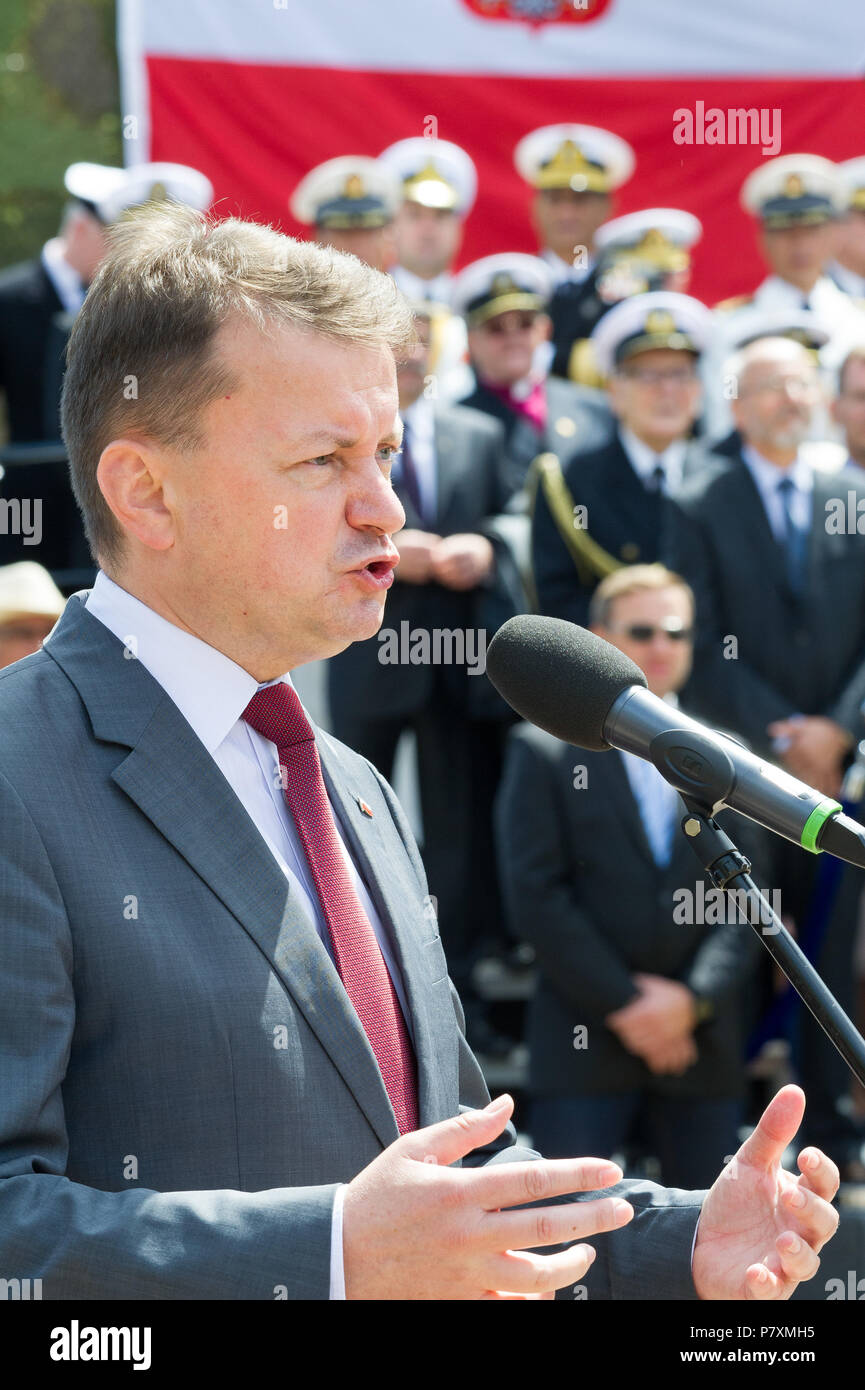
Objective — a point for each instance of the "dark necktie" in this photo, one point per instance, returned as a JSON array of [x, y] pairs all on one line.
[[410, 480], [657, 478], [795, 541], [276, 713]]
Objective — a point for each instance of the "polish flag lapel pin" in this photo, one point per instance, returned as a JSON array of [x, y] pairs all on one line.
[[367, 810]]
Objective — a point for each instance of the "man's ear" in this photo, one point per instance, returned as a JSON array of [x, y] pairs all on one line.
[[130, 475]]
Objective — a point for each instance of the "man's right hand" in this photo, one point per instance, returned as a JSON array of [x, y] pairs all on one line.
[[415, 556], [415, 1228]]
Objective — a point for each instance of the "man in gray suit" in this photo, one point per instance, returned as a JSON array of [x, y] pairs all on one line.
[[226, 1011]]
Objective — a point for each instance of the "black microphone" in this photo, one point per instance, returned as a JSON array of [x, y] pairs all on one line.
[[584, 691]]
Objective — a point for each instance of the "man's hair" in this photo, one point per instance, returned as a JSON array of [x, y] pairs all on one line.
[[856, 354], [141, 358], [631, 579]]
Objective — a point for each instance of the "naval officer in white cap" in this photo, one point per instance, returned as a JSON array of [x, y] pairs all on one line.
[[438, 184], [574, 171], [351, 202], [610, 506], [503, 300], [40, 298]]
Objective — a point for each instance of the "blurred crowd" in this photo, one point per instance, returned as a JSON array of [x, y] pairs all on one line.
[[586, 440]]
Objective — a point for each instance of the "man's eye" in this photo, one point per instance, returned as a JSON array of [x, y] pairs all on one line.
[[389, 452], [322, 458]]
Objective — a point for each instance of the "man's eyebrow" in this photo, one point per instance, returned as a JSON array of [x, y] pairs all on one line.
[[326, 444]]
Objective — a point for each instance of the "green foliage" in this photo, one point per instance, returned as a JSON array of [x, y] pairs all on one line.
[[58, 104]]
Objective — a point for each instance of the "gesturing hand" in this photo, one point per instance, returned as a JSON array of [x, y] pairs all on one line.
[[414, 1228], [761, 1228]]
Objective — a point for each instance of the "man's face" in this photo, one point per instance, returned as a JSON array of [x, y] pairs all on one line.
[[657, 395], [86, 244], [798, 254], [640, 626], [565, 220], [412, 373], [21, 634], [374, 245], [427, 239], [281, 525], [502, 348], [850, 243], [849, 410], [776, 400]]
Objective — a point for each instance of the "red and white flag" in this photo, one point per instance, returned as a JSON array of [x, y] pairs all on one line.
[[256, 92]]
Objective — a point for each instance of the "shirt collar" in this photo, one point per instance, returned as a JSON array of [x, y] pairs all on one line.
[[768, 475], [210, 690], [565, 270], [644, 460]]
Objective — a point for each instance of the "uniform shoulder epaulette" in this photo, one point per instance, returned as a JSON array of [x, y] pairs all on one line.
[[736, 301]]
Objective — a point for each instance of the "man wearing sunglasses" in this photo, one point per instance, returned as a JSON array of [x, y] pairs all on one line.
[[503, 301], [636, 1025]]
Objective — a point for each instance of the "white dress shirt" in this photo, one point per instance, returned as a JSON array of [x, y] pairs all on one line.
[[767, 476], [419, 419], [564, 272], [644, 460], [212, 691]]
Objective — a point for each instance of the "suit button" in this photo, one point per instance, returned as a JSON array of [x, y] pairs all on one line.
[[565, 427], [630, 551]]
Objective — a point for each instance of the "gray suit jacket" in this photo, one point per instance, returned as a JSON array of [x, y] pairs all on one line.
[[184, 1079]]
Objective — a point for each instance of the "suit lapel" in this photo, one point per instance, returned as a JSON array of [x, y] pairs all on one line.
[[625, 803], [747, 513], [372, 840], [175, 782], [447, 467]]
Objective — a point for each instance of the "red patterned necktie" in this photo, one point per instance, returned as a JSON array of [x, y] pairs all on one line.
[[276, 713]]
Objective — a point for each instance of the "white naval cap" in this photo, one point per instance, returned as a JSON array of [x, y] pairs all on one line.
[[350, 191], [580, 157], [795, 190], [660, 237], [852, 173], [660, 319], [752, 322], [434, 173], [110, 192], [26, 587], [496, 284]]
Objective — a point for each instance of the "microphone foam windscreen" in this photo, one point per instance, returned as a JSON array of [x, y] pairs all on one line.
[[559, 676]]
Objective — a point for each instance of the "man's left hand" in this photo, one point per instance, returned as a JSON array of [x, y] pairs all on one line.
[[815, 750], [664, 1012], [462, 561], [760, 1227]]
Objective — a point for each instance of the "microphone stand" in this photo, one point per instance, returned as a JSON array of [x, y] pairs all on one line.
[[729, 870]]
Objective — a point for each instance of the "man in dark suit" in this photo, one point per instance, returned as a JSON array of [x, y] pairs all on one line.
[[779, 578], [226, 1008], [610, 506], [503, 299], [458, 575], [638, 1015], [39, 299]]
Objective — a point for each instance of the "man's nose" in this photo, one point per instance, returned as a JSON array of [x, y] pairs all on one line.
[[374, 504]]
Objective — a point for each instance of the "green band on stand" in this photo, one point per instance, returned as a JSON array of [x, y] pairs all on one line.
[[815, 822]]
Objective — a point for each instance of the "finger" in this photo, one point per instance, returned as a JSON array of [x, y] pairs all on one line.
[[512, 1184], [809, 1215], [526, 1230], [776, 1128], [524, 1272], [452, 1139], [819, 1173], [798, 1260], [761, 1283]]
